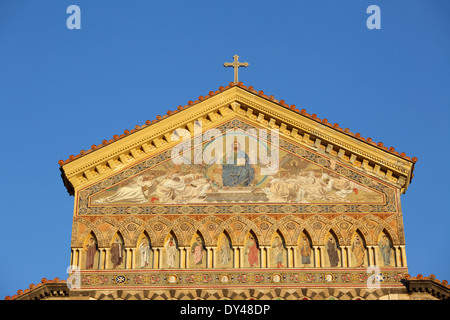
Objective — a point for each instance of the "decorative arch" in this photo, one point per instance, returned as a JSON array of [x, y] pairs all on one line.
[[277, 226], [144, 228], [384, 226], [248, 226], [175, 231], [358, 227], [197, 226], [117, 226], [222, 228], [157, 225], [90, 227], [337, 233], [301, 227]]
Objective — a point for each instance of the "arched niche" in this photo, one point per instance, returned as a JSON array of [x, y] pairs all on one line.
[[224, 251], [252, 254], [385, 250], [144, 252], [117, 257], [332, 256], [278, 256], [170, 252], [197, 252], [359, 256], [90, 259], [305, 257]]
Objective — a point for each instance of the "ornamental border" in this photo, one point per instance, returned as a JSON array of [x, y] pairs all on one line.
[[390, 195], [182, 278]]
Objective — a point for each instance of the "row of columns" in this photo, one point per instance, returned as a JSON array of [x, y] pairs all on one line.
[[129, 260]]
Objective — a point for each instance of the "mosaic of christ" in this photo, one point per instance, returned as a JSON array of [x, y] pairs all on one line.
[[236, 179]]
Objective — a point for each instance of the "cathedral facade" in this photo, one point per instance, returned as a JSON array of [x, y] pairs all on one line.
[[238, 195]]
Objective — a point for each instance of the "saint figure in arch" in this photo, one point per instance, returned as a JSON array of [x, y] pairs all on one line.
[[251, 250], [144, 250], [359, 251], [197, 250], [385, 247], [91, 250]]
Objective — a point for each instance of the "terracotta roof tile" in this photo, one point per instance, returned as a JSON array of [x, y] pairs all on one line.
[[430, 277], [252, 90], [32, 286]]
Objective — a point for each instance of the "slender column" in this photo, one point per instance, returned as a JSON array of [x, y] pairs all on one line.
[[322, 256], [289, 262], [264, 260], [132, 258], [182, 258], [316, 256], [186, 255], [101, 258], [75, 257], [295, 255], [349, 261], [344, 262], [241, 257], [208, 257], [370, 255], [397, 256], [107, 263], [403, 254], [236, 257], [72, 256], [160, 257], [155, 258], [213, 257], [375, 256]]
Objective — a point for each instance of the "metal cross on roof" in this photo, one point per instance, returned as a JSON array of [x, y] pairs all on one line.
[[235, 64]]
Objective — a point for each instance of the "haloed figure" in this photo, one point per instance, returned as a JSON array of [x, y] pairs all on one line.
[[251, 250], [225, 252], [197, 250], [278, 251], [91, 250], [144, 250], [305, 251], [116, 253], [385, 247], [237, 170]]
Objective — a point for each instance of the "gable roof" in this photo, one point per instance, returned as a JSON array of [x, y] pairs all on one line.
[[404, 175]]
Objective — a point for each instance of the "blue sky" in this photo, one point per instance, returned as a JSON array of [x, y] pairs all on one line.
[[64, 90]]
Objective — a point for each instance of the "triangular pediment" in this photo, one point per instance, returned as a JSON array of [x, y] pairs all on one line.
[[335, 146], [201, 176]]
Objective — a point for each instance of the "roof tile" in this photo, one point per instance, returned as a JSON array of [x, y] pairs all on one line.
[[250, 89]]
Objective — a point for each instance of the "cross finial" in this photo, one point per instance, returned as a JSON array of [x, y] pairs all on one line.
[[235, 64]]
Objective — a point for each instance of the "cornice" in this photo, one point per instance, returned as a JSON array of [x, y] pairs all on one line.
[[155, 136]]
